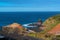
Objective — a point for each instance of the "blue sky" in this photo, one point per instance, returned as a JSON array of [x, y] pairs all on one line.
[[29, 5]]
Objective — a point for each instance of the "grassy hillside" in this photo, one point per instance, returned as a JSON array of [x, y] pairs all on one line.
[[51, 23]]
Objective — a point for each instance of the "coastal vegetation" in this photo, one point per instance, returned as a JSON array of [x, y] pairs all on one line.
[[16, 30], [49, 24]]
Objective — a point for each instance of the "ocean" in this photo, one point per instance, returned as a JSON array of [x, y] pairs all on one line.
[[7, 18]]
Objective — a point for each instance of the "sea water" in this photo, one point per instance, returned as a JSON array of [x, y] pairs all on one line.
[[7, 18]]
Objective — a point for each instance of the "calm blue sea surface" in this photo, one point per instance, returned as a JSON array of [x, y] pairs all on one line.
[[23, 17]]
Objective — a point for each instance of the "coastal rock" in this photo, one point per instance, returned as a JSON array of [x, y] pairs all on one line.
[[14, 25]]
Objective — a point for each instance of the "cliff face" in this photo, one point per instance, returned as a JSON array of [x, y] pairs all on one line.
[[51, 22]]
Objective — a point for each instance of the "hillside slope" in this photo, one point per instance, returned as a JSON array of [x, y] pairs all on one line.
[[55, 30], [51, 22]]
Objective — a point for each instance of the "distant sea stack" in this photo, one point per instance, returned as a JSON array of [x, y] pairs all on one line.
[[36, 26]]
